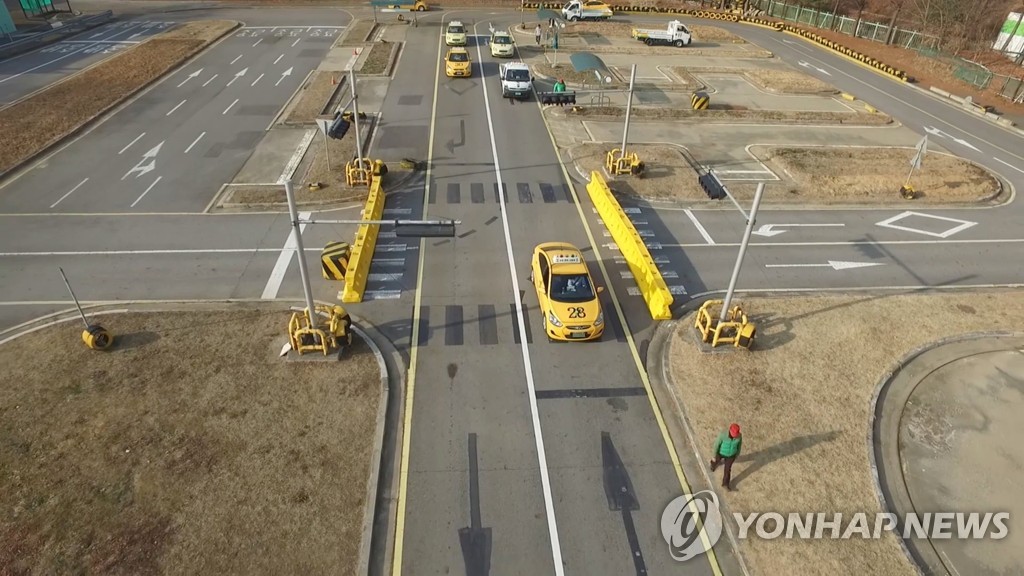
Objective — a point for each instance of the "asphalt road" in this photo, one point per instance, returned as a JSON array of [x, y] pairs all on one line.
[[29, 72], [195, 128]]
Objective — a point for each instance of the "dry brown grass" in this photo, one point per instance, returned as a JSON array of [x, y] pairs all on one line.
[[667, 175], [358, 32], [36, 123], [803, 399], [873, 174], [189, 448], [725, 116], [378, 61], [315, 95]]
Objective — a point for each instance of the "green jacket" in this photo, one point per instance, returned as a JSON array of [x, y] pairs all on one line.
[[559, 87], [728, 446]]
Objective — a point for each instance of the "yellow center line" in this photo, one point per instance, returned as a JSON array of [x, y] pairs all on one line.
[[683, 483], [410, 387]]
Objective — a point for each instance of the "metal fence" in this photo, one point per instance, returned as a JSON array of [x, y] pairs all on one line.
[[875, 31], [1012, 88]]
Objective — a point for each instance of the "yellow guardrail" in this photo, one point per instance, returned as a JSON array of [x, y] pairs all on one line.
[[362, 249], [631, 245]]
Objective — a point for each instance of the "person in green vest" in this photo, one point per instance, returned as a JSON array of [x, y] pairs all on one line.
[[727, 449], [560, 85]]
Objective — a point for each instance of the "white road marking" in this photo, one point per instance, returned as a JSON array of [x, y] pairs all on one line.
[[257, 42], [158, 178], [59, 58], [297, 40], [1008, 164], [137, 138], [293, 162], [856, 243], [700, 227], [237, 58], [230, 106], [176, 107], [278, 59], [210, 80], [549, 507], [256, 80], [79, 185], [194, 142], [283, 261], [382, 294], [890, 223]]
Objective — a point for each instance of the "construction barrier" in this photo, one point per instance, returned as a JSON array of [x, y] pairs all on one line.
[[736, 329], [334, 260], [700, 100], [631, 245], [329, 328], [366, 240], [617, 164], [96, 337]]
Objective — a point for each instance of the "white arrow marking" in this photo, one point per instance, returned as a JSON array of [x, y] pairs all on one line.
[[934, 131], [768, 230], [966, 143], [191, 76], [238, 75], [808, 65], [144, 167], [789, 42], [833, 264], [284, 75]]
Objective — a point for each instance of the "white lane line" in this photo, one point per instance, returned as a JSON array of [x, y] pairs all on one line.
[[278, 58], [1008, 164], [556, 548], [58, 59], [54, 205], [236, 58], [257, 42], [98, 34], [210, 80], [284, 259], [230, 106], [297, 40], [151, 252], [194, 142], [137, 138], [158, 178], [699, 226], [176, 107], [256, 80]]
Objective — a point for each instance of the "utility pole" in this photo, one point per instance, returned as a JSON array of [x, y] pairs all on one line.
[[743, 251], [629, 108], [293, 213], [355, 116]]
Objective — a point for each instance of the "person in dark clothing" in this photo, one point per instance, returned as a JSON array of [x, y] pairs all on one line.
[[727, 449]]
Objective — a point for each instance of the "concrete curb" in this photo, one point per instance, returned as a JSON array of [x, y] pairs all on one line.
[[378, 344], [882, 484], [110, 110], [658, 371]]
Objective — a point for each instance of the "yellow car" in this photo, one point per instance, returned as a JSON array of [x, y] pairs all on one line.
[[566, 293], [455, 34], [457, 63]]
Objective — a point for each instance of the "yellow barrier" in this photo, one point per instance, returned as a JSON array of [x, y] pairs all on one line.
[[362, 249], [645, 271]]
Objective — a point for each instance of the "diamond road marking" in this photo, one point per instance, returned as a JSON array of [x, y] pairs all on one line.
[[890, 223]]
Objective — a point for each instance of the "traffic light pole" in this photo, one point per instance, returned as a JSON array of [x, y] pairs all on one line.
[[743, 250], [355, 116], [297, 235], [629, 108]]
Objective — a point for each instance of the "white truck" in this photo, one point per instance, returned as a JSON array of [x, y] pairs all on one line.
[[586, 10], [676, 34], [516, 81]]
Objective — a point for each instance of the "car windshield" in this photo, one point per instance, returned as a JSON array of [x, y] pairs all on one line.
[[571, 288], [502, 40], [517, 75], [458, 57], [456, 30]]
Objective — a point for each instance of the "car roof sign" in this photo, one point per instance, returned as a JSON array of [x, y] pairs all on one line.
[[565, 259]]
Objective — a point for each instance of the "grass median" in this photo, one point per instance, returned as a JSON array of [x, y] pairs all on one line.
[[188, 448], [43, 119]]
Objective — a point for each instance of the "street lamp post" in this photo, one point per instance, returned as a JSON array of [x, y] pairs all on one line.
[[629, 108], [355, 116], [743, 251], [301, 253]]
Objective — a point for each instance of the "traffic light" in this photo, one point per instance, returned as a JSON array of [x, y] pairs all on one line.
[[712, 186], [338, 127], [558, 98]]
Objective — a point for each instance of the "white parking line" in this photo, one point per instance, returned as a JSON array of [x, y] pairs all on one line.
[[198, 138], [158, 178], [137, 138], [54, 205], [283, 261], [698, 226]]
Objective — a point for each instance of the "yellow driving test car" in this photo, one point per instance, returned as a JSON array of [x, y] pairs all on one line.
[[457, 63], [566, 293]]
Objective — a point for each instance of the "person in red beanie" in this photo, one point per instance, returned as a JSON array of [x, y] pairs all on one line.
[[727, 449]]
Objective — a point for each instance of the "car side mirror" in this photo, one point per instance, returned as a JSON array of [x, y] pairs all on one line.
[[600, 289]]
